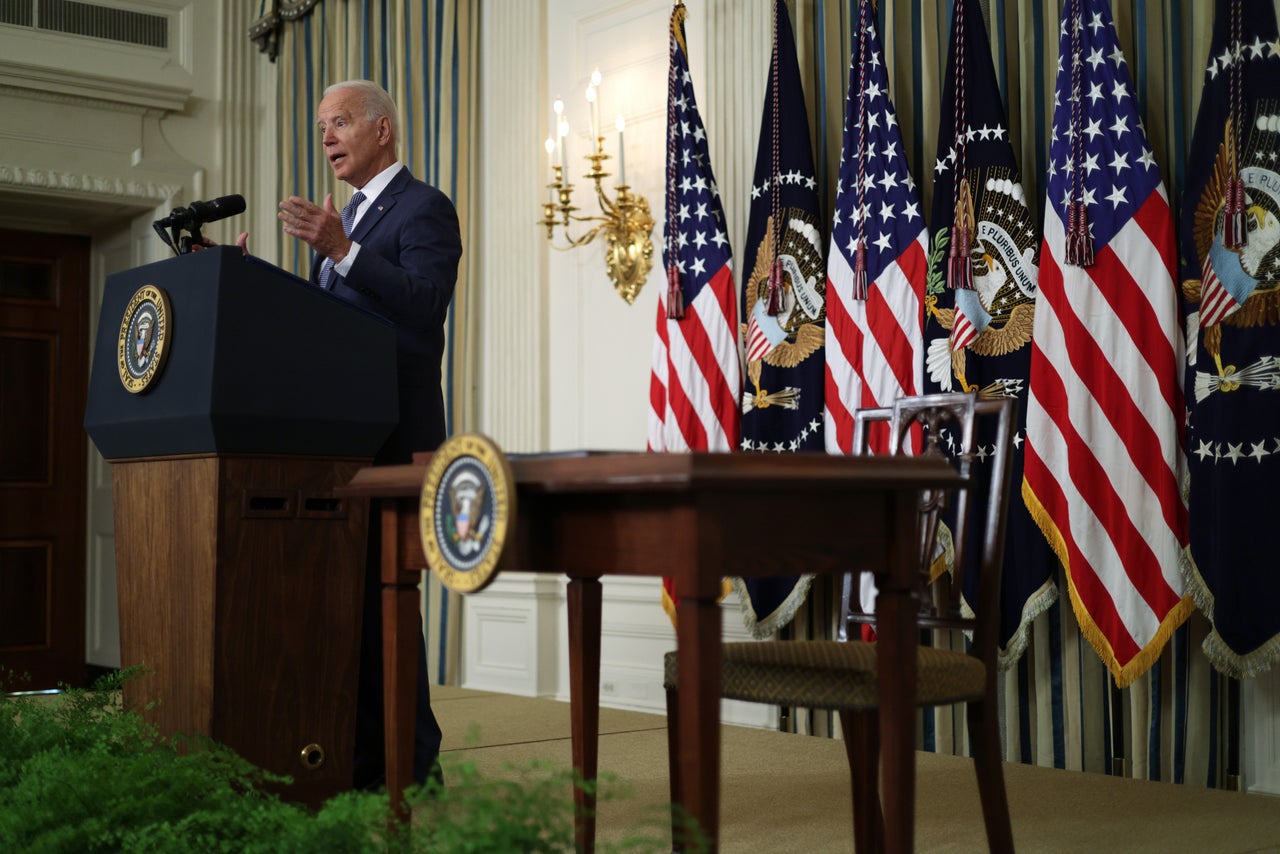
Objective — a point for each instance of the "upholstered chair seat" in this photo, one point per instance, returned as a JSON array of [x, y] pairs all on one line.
[[960, 559]]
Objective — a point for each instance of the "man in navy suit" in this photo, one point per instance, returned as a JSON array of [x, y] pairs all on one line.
[[393, 251]]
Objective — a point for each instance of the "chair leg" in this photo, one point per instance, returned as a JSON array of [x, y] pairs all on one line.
[[984, 735], [678, 819], [862, 745]]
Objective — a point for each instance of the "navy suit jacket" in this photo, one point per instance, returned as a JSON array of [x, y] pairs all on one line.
[[405, 271]]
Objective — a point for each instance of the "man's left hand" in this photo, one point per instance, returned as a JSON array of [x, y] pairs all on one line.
[[320, 227]]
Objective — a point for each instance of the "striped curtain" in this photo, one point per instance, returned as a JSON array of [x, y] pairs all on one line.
[[1061, 709], [425, 53]]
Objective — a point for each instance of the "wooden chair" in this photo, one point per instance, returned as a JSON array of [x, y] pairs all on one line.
[[842, 675]]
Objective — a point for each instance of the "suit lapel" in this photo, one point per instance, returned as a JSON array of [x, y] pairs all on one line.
[[383, 203]]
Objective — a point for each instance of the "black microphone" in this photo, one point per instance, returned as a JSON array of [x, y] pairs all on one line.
[[216, 209], [202, 212]]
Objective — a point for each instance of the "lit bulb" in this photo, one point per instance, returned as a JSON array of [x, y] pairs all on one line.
[[591, 94], [549, 145], [621, 124], [558, 106], [595, 77], [563, 127]]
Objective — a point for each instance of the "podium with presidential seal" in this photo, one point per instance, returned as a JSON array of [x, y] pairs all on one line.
[[231, 398]]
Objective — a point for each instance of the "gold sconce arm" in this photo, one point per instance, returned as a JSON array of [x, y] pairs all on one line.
[[625, 222]]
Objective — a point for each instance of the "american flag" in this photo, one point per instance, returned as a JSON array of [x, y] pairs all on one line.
[[697, 375], [1104, 461], [874, 343]]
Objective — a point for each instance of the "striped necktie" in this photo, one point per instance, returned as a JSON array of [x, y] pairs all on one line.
[[348, 220]]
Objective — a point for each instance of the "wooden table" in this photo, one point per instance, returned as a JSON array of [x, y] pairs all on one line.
[[693, 518]]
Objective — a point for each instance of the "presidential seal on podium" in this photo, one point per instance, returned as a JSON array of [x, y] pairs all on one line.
[[467, 507], [144, 337]]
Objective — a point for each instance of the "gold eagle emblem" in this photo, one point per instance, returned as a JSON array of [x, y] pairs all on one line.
[[805, 335]]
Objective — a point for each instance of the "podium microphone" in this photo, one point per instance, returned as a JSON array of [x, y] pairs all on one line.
[[193, 217], [202, 212], [219, 208]]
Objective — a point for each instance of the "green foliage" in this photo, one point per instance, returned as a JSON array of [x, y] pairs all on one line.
[[81, 774], [934, 281]]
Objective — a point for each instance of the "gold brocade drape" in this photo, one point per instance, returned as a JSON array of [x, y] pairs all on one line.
[[426, 56]]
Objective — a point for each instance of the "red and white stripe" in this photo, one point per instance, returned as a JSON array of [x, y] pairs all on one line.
[[1104, 456], [696, 380], [1216, 302], [875, 347], [963, 332], [758, 345]]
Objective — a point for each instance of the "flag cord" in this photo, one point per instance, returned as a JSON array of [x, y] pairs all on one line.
[[859, 290], [675, 295], [773, 295], [959, 265], [1079, 249], [1234, 231]]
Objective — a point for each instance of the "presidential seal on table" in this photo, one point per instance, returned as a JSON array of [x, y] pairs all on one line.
[[467, 508]]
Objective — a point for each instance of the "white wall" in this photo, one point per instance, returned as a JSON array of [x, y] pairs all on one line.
[[565, 358]]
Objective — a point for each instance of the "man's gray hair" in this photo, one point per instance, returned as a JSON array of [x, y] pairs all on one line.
[[377, 103]]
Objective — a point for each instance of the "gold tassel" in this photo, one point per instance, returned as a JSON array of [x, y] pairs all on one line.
[[860, 270], [773, 296], [959, 268], [1079, 240], [1234, 232], [675, 294]]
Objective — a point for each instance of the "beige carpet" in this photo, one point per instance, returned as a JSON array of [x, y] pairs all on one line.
[[788, 793]]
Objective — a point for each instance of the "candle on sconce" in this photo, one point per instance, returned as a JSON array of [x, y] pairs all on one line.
[[622, 162], [563, 130], [594, 111], [594, 97], [558, 107], [550, 146]]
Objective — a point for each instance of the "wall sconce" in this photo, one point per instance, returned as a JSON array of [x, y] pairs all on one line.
[[625, 221]]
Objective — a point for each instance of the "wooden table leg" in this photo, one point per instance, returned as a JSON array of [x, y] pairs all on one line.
[[399, 663], [896, 642], [698, 648], [584, 596]]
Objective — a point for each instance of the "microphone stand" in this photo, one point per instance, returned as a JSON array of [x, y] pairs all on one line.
[[179, 219]]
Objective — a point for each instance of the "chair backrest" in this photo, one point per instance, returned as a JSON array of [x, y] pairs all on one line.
[[977, 435]]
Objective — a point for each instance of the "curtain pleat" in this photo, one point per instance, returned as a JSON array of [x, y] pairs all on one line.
[[425, 55]]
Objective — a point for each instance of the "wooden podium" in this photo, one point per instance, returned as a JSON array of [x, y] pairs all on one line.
[[240, 573]]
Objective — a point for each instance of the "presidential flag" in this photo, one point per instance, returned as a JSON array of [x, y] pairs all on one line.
[[981, 297], [1231, 287], [697, 375], [1104, 457], [783, 306], [876, 267]]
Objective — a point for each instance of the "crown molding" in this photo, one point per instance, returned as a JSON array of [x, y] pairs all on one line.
[[48, 83], [146, 193]]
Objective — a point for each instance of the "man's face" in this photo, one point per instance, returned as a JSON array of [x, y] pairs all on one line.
[[353, 144]]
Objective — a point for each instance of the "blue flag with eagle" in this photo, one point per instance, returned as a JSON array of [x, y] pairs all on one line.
[[783, 306], [1230, 266], [981, 292]]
